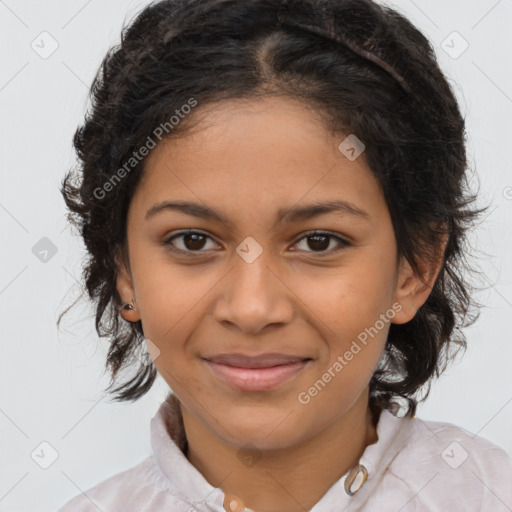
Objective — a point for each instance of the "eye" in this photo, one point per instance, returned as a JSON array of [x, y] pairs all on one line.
[[190, 241], [194, 241], [319, 241]]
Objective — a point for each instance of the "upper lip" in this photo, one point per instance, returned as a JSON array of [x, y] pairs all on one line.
[[258, 361]]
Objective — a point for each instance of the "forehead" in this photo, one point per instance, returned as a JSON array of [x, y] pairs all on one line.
[[260, 155]]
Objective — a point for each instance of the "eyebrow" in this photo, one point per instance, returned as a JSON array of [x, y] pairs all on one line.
[[288, 215]]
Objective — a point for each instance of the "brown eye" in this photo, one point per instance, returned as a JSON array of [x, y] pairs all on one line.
[[193, 241], [319, 241], [188, 241]]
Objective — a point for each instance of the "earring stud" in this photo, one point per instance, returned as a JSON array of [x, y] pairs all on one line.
[[127, 306]]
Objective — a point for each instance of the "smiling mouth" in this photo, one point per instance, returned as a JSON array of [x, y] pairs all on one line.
[[257, 375]]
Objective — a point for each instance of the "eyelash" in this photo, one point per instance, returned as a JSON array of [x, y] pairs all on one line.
[[343, 243]]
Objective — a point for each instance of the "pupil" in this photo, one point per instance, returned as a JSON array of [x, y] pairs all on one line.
[[193, 239], [322, 245]]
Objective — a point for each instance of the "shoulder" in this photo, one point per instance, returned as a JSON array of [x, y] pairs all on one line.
[[453, 468], [133, 489]]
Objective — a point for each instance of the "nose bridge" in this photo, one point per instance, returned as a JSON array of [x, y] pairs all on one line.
[[252, 267], [253, 296]]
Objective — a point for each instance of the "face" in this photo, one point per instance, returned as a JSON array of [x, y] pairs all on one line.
[[251, 277]]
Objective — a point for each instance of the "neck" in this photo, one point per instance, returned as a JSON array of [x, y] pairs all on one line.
[[294, 479]]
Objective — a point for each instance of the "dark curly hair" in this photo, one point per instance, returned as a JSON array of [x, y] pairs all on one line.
[[365, 68]]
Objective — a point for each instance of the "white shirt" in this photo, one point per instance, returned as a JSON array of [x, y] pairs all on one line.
[[414, 466]]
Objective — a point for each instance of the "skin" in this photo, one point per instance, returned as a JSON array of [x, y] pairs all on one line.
[[248, 160]]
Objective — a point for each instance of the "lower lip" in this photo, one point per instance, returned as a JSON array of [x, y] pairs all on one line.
[[256, 379]]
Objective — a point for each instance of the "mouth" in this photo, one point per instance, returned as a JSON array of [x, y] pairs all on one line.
[[261, 373]]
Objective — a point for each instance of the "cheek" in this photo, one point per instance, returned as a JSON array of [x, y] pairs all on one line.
[[353, 314], [167, 292], [348, 300], [174, 302]]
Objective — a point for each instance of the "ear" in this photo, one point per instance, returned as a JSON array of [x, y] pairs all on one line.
[[412, 289], [125, 288]]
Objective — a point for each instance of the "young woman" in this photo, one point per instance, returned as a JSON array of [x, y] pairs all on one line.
[[273, 198]]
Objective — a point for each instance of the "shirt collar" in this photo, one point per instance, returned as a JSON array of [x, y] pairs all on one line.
[[169, 443]]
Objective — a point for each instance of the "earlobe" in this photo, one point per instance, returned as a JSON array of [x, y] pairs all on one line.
[[129, 311], [125, 289]]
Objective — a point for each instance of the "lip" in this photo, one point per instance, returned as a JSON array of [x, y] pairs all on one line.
[[240, 360], [256, 373]]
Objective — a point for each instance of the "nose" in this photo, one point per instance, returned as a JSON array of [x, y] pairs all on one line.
[[253, 297]]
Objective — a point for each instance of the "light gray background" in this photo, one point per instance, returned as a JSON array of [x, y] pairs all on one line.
[[52, 381]]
